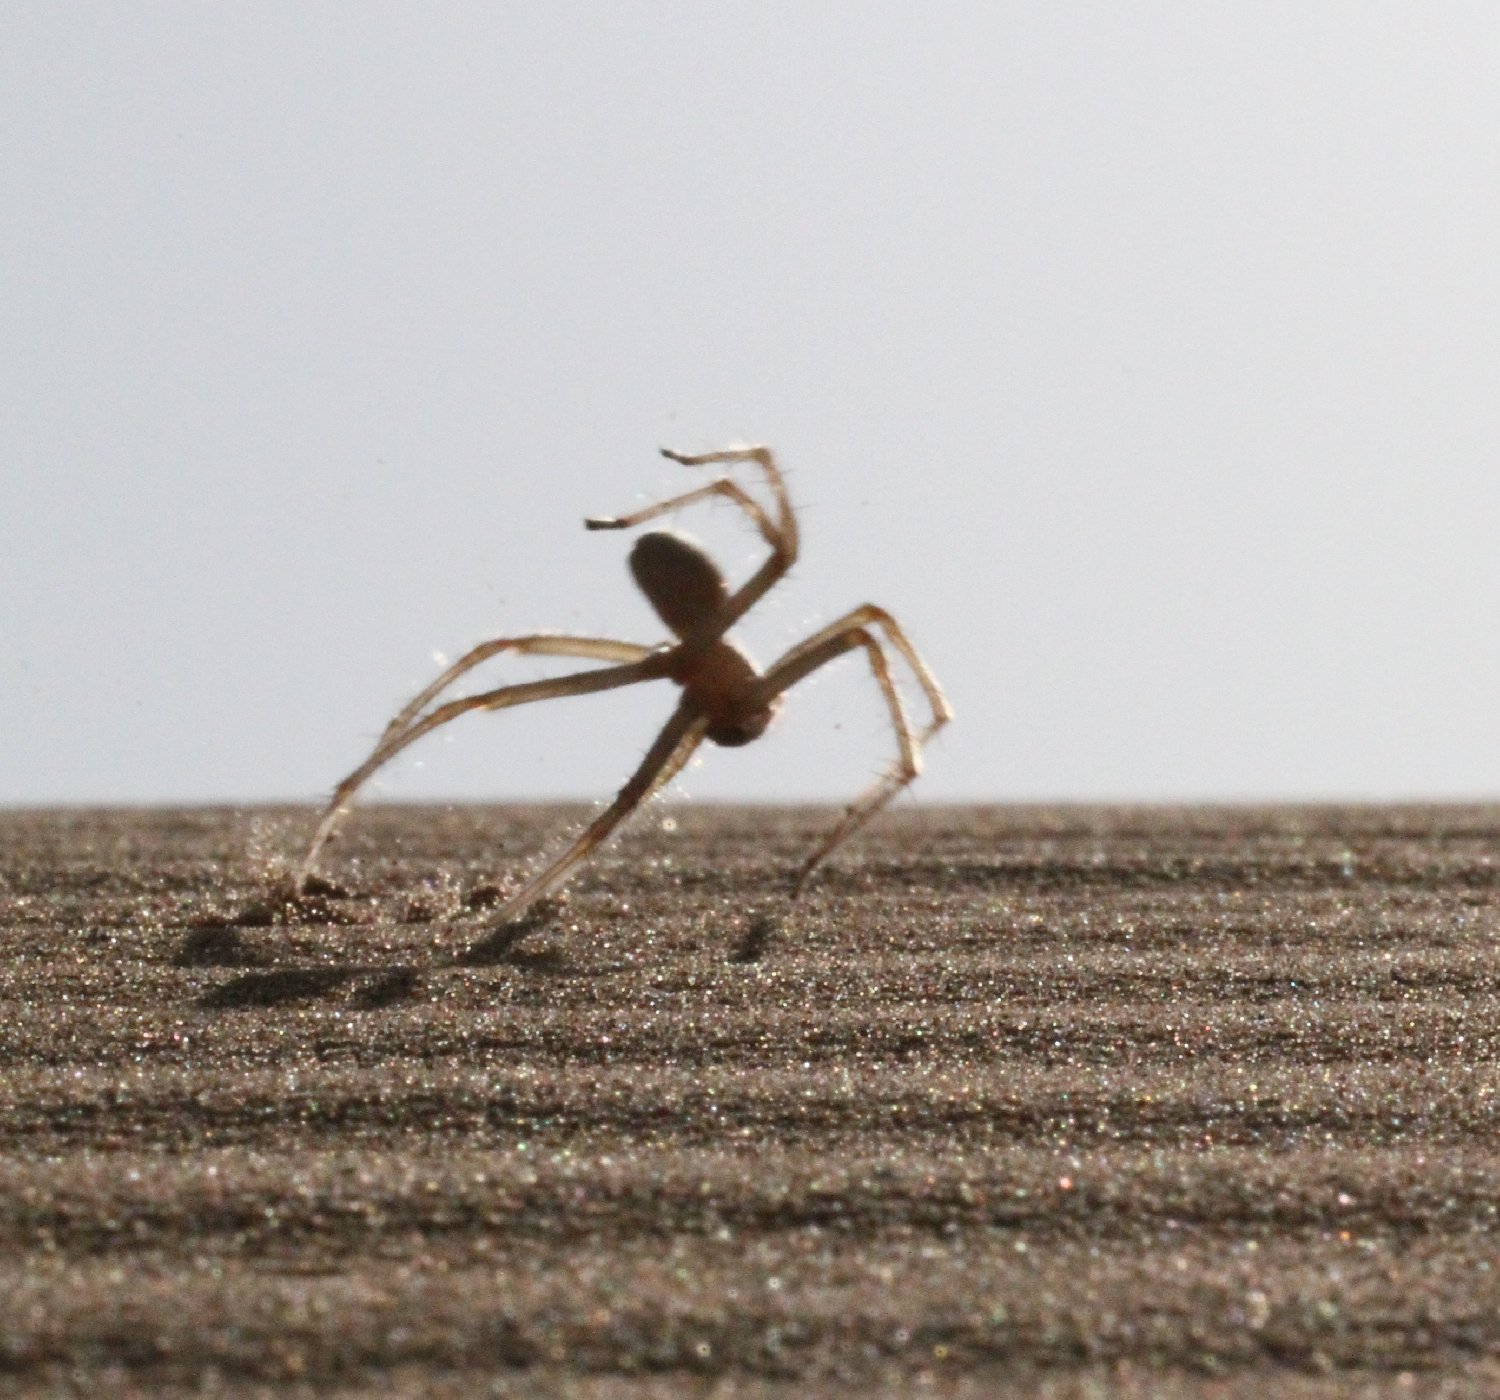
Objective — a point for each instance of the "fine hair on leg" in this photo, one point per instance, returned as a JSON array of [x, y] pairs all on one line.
[[411, 724]]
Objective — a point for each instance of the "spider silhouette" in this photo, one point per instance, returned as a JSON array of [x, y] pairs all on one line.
[[725, 699]]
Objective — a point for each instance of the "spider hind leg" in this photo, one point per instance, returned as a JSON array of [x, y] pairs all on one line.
[[856, 630]]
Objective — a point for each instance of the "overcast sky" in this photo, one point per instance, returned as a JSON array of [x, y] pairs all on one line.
[[1142, 358]]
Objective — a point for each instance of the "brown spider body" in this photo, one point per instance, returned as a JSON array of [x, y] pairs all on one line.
[[688, 592], [726, 685], [725, 699], [679, 580]]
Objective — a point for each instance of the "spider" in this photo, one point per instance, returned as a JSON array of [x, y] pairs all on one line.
[[725, 699]]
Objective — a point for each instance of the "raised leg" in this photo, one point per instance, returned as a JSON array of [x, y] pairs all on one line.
[[783, 548], [664, 760], [825, 646], [410, 725], [780, 533], [722, 487]]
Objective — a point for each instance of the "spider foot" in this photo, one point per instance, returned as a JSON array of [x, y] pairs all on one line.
[[803, 877], [500, 942]]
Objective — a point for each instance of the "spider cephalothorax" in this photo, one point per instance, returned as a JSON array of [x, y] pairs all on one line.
[[725, 698]]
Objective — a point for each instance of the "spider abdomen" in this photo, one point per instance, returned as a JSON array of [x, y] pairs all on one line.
[[679, 580]]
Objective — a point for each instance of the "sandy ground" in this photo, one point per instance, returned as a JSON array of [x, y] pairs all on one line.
[[1016, 1101]]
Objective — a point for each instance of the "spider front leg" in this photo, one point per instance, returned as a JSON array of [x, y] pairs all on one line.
[[826, 645], [783, 532], [780, 533]]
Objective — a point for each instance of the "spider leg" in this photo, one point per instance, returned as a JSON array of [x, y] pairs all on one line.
[[780, 533], [723, 487], [664, 760], [536, 644], [866, 616], [406, 729], [783, 547], [818, 650], [765, 460]]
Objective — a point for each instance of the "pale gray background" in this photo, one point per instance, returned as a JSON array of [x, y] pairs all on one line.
[[1141, 357]]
